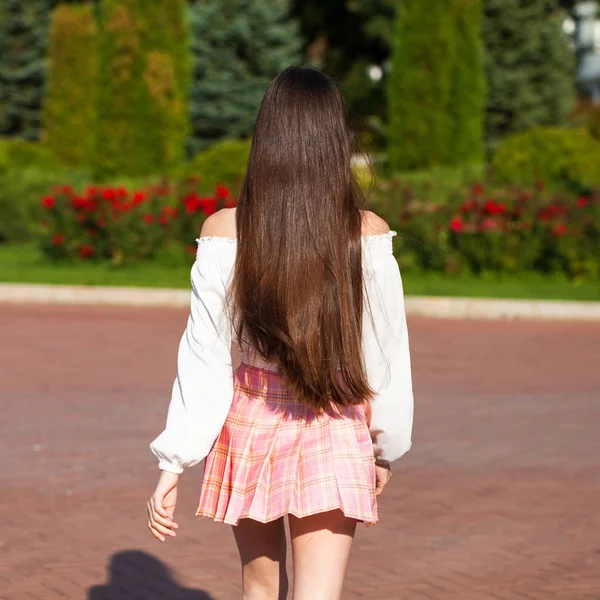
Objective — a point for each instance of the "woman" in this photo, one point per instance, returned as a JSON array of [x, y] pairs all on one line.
[[304, 283]]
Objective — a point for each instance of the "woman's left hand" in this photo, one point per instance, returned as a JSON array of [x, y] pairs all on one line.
[[161, 507]]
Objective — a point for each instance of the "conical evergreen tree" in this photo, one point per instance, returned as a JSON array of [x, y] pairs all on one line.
[[70, 104], [143, 87], [436, 87], [238, 47], [530, 68], [23, 43]]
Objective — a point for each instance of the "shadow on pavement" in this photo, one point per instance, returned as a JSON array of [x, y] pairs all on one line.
[[136, 575]]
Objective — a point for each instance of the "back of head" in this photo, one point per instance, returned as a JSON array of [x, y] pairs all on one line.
[[298, 286]]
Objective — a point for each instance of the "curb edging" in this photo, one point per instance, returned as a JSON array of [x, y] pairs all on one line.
[[424, 306]]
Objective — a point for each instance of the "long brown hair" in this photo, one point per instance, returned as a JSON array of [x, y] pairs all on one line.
[[297, 287]]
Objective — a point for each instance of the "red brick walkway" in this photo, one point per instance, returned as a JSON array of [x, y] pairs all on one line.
[[499, 498]]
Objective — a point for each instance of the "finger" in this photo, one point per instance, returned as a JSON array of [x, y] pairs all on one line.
[[155, 533], [158, 507], [163, 530], [156, 518]]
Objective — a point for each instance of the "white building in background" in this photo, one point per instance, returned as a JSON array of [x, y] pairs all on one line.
[[586, 33]]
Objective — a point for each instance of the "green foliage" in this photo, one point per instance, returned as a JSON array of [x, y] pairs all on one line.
[[20, 193], [567, 158], [495, 229], [19, 154], [143, 83], [225, 162], [70, 105], [436, 88], [238, 47], [23, 41], [530, 68]]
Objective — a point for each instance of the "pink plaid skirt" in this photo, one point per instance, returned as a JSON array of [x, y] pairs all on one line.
[[275, 456]]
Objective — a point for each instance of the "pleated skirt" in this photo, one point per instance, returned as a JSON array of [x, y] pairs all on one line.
[[276, 456]]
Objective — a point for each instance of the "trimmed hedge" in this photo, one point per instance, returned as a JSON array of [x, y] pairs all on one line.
[[143, 87], [70, 104], [567, 158], [436, 86]]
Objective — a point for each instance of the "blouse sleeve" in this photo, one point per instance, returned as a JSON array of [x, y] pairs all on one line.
[[386, 352], [203, 389]]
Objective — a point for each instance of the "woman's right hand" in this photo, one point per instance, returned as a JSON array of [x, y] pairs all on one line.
[[383, 474], [161, 507]]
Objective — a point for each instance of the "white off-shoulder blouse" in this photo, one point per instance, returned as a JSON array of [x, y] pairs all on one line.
[[203, 389]]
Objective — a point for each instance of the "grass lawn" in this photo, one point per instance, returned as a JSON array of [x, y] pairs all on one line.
[[25, 264]]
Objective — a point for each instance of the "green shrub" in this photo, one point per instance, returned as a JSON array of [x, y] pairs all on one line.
[[224, 162], [566, 158], [436, 86], [70, 104], [143, 87], [498, 229], [121, 224], [20, 193], [18, 154]]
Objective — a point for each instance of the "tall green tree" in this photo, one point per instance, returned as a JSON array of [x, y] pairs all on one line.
[[70, 103], [238, 47], [530, 68], [23, 43], [143, 86], [436, 86]]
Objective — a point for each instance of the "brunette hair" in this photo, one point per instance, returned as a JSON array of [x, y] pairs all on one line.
[[297, 288]]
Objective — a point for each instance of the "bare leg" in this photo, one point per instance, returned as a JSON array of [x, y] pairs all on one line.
[[262, 548], [321, 547]]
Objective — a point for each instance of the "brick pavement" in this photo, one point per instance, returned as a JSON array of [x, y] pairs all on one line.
[[497, 500]]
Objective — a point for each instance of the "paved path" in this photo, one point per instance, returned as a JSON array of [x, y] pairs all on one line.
[[499, 498]]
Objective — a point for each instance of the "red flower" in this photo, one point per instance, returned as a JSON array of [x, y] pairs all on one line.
[[58, 239], [208, 205], [138, 197], [86, 250], [67, 189], [477, 189], [109, 194], [91, 190], [231, 203], [559, 229], [192, 203], [582, 202], [456, 224], [121, 192], [48, 202], [79, 203], [163, 220], [148, 219], [126, 206], [221, 191], [491, 207], [468, 206]]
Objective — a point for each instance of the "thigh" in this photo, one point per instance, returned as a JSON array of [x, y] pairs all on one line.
[[321, 547], [262, 548]]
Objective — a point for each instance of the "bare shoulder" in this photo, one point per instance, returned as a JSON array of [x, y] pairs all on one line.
[[221, 224], [373, 224]]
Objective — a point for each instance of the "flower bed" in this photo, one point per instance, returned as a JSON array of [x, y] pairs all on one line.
[[502, 230], [121, 225]]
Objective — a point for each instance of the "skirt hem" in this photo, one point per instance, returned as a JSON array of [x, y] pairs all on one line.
[[261, 519]]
